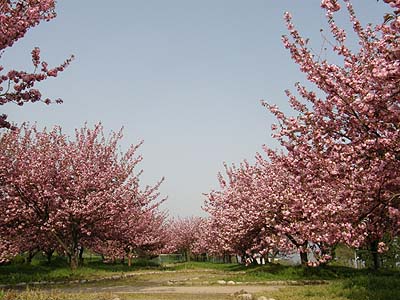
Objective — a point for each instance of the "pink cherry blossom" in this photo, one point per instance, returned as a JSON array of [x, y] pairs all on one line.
[[74, 193], [16, 18]]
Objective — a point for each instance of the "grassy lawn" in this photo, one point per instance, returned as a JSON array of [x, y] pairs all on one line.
[[342, 283], [35, 295], [59, 270], [359, 288]]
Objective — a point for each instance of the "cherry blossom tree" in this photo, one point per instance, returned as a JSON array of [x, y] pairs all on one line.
[[16, 18], [348, 139], [74, 190], [237, 214], [184, 234], [142, 232], [337, 180], [263, 209]]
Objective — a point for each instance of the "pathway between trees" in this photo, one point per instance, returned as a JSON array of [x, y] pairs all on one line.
[[210, 289], [189, 282]]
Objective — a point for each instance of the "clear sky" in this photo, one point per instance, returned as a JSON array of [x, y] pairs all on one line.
[[185, 76]]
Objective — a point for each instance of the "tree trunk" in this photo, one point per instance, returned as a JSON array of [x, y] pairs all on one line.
[[49, 255], [72, 251], [130, 259], [187, 254], [74, 261], [81, 256], [302, 247], [375, 255], [31, 254], [74, 257], [304, 258], [303, 254]]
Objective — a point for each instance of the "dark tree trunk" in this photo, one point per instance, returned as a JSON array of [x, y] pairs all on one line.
[[129, 261], [81, 256], [74, 261], [304, 258], [29, 257], [375, 255], [74, 256], [130, 256], [49, 255], [303, 247]]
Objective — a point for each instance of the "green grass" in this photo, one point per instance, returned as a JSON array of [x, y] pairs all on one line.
[[59, 270], [343, 283], [358, 288], [281, 272], [193, 265], [177, 297], [37, 295], [54, 295]]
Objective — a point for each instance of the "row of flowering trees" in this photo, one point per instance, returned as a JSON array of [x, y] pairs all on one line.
[[184, 235], [66, 194], [337, 179]]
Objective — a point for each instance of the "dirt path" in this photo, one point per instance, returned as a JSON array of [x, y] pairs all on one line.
[[198, 284], [211, 289]]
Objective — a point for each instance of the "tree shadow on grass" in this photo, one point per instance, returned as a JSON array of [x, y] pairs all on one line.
[[59, 270], [138, 264], [381, 285], [38, 270]]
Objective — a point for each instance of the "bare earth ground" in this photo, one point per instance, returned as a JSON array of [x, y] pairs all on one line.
[[194, 284], [212, 289]]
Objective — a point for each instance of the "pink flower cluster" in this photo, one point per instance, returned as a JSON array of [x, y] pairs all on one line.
[[16, 17], [331, 5], [338, 180], [66, 194], [184, 235]]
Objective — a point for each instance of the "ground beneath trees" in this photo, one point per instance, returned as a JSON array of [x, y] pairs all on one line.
[[211, 289], [193, 284]]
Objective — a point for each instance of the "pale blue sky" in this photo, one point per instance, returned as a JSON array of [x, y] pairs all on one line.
[[186, 76]]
